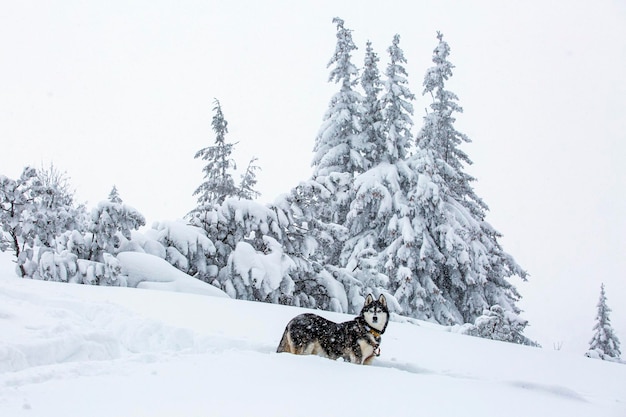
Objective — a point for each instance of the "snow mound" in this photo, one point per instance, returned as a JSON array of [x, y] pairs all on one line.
[[151, 272]]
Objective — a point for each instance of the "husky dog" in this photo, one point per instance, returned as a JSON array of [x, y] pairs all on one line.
[[356, 341]]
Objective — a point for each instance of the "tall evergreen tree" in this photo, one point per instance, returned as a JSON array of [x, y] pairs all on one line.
[[337, 142], [396, 103], [459, 252], [374, 250], [373, 140], [604, 340], [439, 134], [337, 151], [219, 183]]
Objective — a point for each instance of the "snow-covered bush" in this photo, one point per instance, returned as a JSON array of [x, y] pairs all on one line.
[[236, 221], [52, 266], [88, 256], [186, 247], [108, 230], [110, 222], [311, 243], [258, 275], [498, 324], [598, 354], [108, 272], [35, 209]]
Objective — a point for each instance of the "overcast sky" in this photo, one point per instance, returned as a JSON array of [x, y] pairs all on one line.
[[120, 93]]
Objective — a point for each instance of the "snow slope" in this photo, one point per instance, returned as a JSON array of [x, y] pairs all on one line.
[[77, 350]]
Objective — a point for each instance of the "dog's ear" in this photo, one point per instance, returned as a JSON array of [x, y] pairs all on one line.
[[369, 299], [382, 300]]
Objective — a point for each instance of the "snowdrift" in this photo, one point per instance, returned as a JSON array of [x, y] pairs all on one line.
[[151, 272]]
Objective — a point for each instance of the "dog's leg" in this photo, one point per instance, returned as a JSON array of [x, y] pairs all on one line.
[[284, 345], [369, 360]]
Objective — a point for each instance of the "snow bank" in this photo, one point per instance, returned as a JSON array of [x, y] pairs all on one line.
[[149, 271]]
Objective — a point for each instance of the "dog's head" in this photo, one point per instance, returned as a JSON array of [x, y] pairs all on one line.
[[375, 313]]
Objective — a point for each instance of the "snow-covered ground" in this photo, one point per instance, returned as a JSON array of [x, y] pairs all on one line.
[[77, 350]]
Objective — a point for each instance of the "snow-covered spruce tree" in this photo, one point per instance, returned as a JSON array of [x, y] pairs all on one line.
[[338, 145], [374, 248], [604, 343], [459, 253], [218, 182], [316, 209], [397, 109], [372, 137], [440, 135]]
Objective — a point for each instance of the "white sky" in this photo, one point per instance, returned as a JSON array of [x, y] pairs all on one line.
[[121, 93]]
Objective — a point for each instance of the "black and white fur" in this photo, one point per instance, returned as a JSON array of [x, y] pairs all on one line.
[[356, 341]]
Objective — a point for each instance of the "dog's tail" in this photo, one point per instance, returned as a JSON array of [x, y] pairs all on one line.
[[284, 345]]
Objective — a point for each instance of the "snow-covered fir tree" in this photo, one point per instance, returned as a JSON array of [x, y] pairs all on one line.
[[337, 151], [397, 109], [459, 258], [373, 140], [380, 192], [338, 142], [604, 343], [218, 182], [441, 137], [317, 208]]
